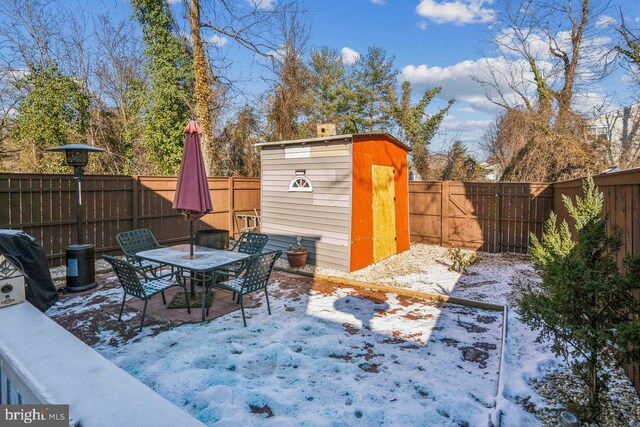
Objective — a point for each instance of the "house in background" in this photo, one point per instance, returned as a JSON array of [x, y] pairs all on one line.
[[618, 132]]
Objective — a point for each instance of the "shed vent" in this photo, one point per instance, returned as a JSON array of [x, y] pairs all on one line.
[[326, 129]]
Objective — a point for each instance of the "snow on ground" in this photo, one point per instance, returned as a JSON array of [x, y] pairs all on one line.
[[328, 359], [326, 356], [495, 278], [339, 356], [426, 268]]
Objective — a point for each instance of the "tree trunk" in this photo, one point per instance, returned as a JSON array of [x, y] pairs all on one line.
[[594, 403], [202, 92]]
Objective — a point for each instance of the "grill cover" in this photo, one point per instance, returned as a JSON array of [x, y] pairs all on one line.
[[26, 254]]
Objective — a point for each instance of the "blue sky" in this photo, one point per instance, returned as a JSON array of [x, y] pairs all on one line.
[[435, 42]]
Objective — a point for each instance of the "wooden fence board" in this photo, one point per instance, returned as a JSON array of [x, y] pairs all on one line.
[[44, 206], [491, 217], [622, 205]]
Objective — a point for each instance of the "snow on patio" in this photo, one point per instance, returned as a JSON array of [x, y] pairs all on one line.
[[327, 356]]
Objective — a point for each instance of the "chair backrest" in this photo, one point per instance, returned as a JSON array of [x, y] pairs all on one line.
[[127, 276], [259, 271], [252, 243], [134, 241]]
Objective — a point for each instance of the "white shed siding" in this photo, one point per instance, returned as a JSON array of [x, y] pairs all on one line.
[[320, 217]]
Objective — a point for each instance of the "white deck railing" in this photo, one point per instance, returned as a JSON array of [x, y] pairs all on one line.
[[42, 363]]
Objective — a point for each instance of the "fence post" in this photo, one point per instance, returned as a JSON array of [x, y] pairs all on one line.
[[499, 218], [230, 207], [134, 201], [444, 212]]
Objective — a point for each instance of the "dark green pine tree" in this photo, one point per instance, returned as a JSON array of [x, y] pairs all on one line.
[[417, 127], [373, 79], [584, 305], [328, 93]]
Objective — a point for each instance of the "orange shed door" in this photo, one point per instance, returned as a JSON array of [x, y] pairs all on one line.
[[384, 212]]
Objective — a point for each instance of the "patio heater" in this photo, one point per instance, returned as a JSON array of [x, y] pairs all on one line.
[[81, 272]]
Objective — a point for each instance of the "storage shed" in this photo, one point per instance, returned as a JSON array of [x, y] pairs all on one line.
[[345, 195]]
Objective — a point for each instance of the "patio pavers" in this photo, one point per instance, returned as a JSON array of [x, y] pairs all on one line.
[[90, 314]]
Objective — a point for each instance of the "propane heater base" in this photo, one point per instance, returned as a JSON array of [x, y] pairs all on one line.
[[81, 270]]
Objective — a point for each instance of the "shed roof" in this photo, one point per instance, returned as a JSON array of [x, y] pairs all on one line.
[[345, 138]]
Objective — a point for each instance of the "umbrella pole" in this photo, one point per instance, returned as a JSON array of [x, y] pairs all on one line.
[[191, 238]]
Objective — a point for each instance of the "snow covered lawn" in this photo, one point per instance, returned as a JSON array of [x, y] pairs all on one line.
[[327, 356]]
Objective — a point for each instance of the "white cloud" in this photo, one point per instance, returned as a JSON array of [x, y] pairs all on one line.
[[262, 4], [279, 53], [590, 103], [218, 40], [349, 56], [537, 43], [459, 12], [470, 110], [466, 125], [605, 21], [459, 80], [422, 24], [380, 2]]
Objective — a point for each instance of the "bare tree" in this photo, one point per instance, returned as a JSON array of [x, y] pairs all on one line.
[[548, 52], [119, 83], [248, 24], [623, 126], [30, 34], [238, 136], [286, 104]]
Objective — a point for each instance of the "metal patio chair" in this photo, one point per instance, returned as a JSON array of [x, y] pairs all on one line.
[[134, 241], [247, 243], [256, 277], [135, 283], [250, 243]]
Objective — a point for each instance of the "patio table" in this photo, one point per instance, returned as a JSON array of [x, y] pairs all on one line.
[[204, 263]]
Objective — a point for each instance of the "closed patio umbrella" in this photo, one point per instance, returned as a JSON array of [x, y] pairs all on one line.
[[192, 197]]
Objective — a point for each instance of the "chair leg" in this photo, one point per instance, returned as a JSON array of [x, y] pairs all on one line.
[[267, 295], [164, 299], [244, 320], [186, 296], [210, 291], [144, 313], [124, 298], [203, 302]]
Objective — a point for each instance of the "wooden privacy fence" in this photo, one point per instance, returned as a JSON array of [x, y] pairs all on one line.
[[622, 204], [491, 217], [44, 206], [498, 217]]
